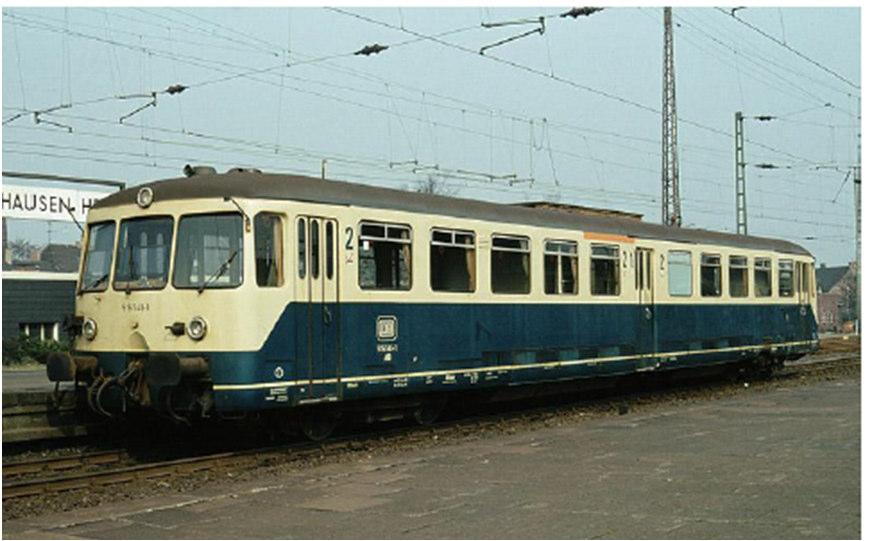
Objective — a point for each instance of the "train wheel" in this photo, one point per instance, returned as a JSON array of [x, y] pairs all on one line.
[[318, 424], [429, 411]]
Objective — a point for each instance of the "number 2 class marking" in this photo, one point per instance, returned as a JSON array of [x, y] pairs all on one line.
[[349, 244]]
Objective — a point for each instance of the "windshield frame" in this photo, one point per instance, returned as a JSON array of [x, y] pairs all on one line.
[[111, 267], [239, 256], [130, 285]]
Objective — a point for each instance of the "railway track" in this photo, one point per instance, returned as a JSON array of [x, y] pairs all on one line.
[[46, 416], [31, 417], [66, 473], [824, 361]]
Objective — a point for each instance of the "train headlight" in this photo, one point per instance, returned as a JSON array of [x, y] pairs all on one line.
[[145, 197], [196, 328], [89, 328]]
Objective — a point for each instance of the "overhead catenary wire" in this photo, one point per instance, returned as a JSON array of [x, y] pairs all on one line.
[[192, 59], [766, 72], [718, 34], [562, 80], [264, 147], [790, 48], [762, 217], [453, 31], [552, 124], [587, 157], [250, 73], [184, 159]]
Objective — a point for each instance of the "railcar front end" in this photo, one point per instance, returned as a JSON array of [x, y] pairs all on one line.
[[173, 299]]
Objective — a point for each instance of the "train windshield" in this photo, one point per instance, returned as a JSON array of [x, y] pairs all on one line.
[[98, 258], [209, 253], [142, 258]]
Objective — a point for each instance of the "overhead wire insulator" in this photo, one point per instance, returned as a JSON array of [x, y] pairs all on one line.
[[175, 89], [374, 48], [764, 118], [580, 12]]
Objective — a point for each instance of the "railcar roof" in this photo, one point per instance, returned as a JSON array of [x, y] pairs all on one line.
[[253, 185]]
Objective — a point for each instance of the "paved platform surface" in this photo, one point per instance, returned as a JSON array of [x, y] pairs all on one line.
[[775, 464], [26, 381]]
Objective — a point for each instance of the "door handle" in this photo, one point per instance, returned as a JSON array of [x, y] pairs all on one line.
[[647, 313], [327, 315]]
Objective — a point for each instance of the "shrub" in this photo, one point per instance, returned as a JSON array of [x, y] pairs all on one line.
[[25, 349]]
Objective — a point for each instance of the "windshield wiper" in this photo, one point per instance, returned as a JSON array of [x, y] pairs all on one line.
[[219, 272], [96, 282]]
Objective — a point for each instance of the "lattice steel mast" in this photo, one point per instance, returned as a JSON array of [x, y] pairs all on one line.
[[671, 214], [740, 174]]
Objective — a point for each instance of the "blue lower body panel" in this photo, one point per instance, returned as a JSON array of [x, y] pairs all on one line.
[[443, 347]]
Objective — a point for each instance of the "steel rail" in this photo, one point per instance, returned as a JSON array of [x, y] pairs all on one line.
[[57, 464]]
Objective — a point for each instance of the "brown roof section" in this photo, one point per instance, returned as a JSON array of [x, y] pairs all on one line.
[[578, 209], [252, 185]]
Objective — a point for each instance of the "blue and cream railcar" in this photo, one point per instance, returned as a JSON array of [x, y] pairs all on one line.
[[227, 293]]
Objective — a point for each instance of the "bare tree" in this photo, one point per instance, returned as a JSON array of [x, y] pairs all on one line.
[[21, 249], [435, 186]]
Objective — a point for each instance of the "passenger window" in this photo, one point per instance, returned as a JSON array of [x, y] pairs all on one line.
[[762, 277], [330, 251], [711, 275], [268, 249], [509, 264], [738, 276], [300, 228], [384, 256], [604, 264], [679, 273], [560, 267], [314, 261], [786, 278], [452, 261], [805, 278]]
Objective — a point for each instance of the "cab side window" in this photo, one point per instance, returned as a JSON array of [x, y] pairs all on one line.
[[269, 249]]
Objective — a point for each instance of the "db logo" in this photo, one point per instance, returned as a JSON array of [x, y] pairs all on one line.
[[387, 328]]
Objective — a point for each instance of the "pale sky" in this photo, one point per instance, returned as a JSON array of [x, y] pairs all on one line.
[[575, 109]]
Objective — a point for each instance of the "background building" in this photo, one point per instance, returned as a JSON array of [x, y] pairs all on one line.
[[837, 290]]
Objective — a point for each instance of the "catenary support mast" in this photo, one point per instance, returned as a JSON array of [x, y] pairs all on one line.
[[671, 214]]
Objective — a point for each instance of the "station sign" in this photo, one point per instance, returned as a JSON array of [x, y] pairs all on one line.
[[54, 204]]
